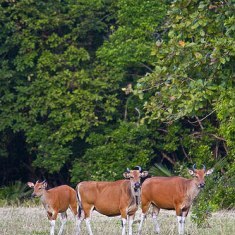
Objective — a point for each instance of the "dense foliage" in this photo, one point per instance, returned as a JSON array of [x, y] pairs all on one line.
[[91, 87]]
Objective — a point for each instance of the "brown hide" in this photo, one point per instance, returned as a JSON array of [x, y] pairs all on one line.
[[60, 198], [108, 198], [172, 193], [168, 193], [55, 200]]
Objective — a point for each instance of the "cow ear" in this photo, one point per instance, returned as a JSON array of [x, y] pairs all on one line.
[[208, 172], [144, 174], [44, 184], [191, 172], [30, 184], [126, 175]]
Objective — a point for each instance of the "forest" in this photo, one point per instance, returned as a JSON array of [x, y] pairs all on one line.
[[91, 87]]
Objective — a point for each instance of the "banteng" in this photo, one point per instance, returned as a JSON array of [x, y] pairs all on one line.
[[55, 200], [111, 198], [172, 193]]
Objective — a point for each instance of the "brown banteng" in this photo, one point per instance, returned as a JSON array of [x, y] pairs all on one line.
[[111, 198], [55, 200], [171, 193]]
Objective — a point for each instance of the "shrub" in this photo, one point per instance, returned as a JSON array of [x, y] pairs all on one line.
[[14, 194]]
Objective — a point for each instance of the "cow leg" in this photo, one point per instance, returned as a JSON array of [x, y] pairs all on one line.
[[123, 226], [63, 219], [145, 207], [87, 211], [52, 227], [181, 215], [52, 218], [74, 208], [130, 220], [154, 216], [79, 218], [124, 219], [141, 223], [88, 225], [181, 222]]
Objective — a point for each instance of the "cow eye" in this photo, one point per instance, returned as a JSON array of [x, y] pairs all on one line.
[[40, 188]]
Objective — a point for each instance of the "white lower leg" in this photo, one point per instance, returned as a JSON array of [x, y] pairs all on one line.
[[130, 220], [78, 225], [181, 222], [141, 223], [88, 225], [63, 219], [123, 226], [52, 227], [157, 228]]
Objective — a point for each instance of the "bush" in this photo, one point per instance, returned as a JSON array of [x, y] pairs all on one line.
[[14, 194]]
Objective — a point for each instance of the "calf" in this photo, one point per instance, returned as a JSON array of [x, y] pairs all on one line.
[[55, 200], [111, 198], [172, 193]]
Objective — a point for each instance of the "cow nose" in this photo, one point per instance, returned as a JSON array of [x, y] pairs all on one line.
[[137, 185], [33, 195], [202, 185]]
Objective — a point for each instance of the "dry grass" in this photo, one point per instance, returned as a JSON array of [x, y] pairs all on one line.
[[23, 220]]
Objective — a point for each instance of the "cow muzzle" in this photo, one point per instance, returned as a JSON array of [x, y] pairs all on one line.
[[201, 185], [137, 186]]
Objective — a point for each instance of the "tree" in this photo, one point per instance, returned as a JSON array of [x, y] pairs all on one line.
[[47, 88], [192, 84], [121, 60], [112, 150]]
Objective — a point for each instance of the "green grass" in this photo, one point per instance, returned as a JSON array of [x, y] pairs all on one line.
[[33, 221]]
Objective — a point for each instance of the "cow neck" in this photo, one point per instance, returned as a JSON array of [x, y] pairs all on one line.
[[192, 189], [44, 196], [137, 196], [133, 202]]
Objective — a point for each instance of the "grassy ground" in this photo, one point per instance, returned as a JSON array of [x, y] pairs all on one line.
[[22, 220]]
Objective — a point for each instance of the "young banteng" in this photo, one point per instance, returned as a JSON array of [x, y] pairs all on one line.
[[171, 193], [55, 200], [111, 198]]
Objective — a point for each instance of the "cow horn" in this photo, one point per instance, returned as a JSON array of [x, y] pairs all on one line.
[[204, 167], [128, 170], [44, 181], [194, 167], [139, 168]]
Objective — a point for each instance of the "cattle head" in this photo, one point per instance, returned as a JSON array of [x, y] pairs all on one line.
[[38, 188], [200, 175], [135, 176]]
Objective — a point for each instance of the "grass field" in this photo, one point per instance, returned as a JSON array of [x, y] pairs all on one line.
[[23, 220]]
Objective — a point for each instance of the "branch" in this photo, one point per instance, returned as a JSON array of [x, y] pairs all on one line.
[[215, 136], [200, 123], [225, 147], [185, 154], [163, 130], [156, 86], [138, 111], [146, 66], [168, 158], [202, 118]]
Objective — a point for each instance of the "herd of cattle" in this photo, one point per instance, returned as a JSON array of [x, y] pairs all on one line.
[[122, 198]]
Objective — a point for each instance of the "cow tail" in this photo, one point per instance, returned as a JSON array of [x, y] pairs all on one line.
[[79, 202]]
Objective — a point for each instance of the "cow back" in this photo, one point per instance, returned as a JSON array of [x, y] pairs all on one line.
[[165, 192], [106, 197], [61, 197]]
